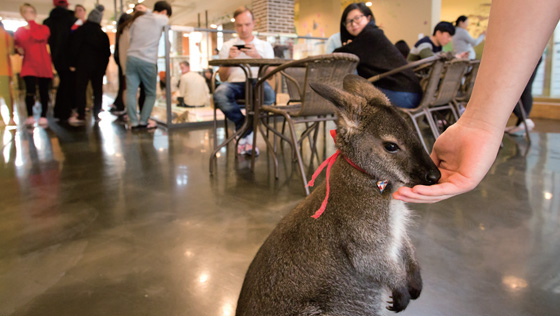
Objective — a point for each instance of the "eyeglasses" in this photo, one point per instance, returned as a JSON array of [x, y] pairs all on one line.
[[355, 20]]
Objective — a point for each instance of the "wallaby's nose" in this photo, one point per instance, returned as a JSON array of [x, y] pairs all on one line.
[[432, 176]]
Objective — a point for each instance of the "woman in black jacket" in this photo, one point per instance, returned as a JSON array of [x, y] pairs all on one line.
[[89, 56], [360, 36]]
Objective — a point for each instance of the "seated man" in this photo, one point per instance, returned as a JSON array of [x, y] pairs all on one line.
[[430, 45], [193, 91], [233, 78]]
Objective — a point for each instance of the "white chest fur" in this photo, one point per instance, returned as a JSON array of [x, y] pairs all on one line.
[[398, 221]]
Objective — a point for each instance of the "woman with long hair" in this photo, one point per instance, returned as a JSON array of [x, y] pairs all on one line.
[[360, 36]]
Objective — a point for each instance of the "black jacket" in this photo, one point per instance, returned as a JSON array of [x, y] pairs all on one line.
[[378, 55], [89, 48], [60, 21]]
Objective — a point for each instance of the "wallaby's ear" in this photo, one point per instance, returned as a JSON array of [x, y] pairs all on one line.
[[360, 86], [349, 106]]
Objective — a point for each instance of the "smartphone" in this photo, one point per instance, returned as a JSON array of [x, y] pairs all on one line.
[[239, 46]]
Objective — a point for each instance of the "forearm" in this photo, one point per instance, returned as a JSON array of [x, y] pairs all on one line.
[[508, 60], [224, 72]]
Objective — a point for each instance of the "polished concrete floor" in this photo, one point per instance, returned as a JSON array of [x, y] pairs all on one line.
[[96, 220]]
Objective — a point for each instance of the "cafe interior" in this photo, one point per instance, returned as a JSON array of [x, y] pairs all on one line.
[[99, 220]]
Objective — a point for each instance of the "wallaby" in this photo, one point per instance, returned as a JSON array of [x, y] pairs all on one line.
[[345, 261]]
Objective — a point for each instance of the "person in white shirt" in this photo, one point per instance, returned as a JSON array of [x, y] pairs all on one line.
[[141, 62], [462, 40], [333, 43], [193, 90], [233, 78]]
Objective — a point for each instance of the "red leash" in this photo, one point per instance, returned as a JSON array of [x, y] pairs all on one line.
[[328, 163]]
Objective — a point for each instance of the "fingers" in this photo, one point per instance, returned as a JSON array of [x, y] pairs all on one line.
[[427, 194]]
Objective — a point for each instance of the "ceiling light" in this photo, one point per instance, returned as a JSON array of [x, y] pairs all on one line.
[[368, 4]]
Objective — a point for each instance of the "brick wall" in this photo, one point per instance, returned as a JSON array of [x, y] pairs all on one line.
[[275, 16]]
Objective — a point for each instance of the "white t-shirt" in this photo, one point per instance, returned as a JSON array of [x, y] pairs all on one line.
[[194, 89], [236, 74]]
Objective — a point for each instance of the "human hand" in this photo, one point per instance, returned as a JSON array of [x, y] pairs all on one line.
[[462, 55], [250, 51], [347, 42], [234, 52], [463, 153]]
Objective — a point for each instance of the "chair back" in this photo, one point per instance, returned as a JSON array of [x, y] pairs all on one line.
[[451, 81], [466, 88], [327, 69], [430, 82]]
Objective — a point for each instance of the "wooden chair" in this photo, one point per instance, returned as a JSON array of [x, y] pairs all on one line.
[[305, 106]]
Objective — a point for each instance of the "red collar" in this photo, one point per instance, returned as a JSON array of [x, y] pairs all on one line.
[[328, 163]]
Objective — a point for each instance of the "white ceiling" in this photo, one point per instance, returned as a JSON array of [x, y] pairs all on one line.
[[185, 12]]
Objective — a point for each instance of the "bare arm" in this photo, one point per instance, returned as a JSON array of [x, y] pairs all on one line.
[[465, 152]]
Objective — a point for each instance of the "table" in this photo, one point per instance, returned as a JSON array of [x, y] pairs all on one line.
[[245, 64]]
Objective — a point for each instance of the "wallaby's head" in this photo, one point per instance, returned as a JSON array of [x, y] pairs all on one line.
[[376, 136]]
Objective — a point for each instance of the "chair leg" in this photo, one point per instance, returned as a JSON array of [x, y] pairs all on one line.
[[270, 148], [417, 127], [297, 152]]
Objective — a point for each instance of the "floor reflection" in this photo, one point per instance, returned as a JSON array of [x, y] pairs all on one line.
[[99, 220]]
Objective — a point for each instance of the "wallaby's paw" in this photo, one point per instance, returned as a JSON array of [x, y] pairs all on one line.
[[414, 284], [400, 301]]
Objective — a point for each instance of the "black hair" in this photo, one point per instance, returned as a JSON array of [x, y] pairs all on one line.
[[460, 19], [163, 5], [344, 34], [403, 47], [444, 27]]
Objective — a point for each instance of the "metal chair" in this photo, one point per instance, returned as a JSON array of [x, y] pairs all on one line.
[[465, 91], [446, 93], [429, 70], [305, 106]]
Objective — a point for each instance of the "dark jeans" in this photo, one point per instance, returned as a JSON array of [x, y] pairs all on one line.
[[408, 100], [83, 76], [31, 91], [225, 98], [64, 94]]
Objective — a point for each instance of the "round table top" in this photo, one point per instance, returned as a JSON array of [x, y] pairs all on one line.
[[248, 61]]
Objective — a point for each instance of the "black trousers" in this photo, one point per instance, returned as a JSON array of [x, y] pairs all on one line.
[[64, 94], [119, 104], [31, 83], [83, 76], [526, 97]]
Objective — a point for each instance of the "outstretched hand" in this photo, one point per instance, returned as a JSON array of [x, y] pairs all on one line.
[[463, 153]]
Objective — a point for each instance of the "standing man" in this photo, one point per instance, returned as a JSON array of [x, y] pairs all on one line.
[[193, 89], [60, 22], [141, 63], [246, 45]]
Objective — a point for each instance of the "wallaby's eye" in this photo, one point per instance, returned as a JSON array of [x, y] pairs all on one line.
[[391, 147]]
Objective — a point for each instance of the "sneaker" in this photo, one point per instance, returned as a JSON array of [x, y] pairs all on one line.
[[241, 146], [43, 121], [30, 121], [249, 149], [519, 130]]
